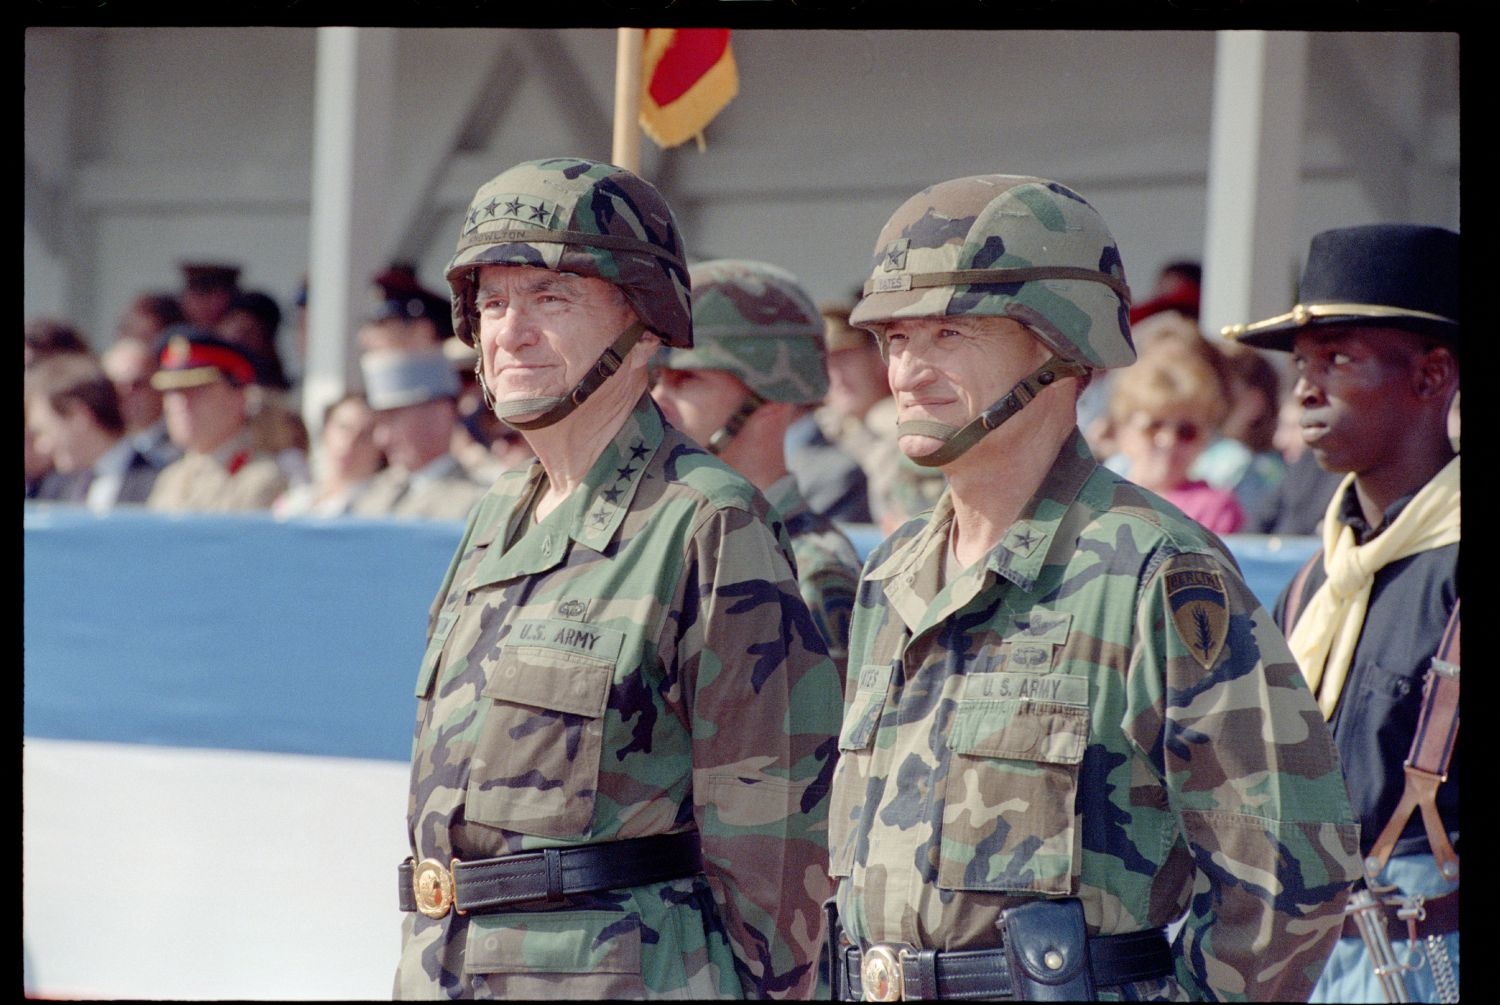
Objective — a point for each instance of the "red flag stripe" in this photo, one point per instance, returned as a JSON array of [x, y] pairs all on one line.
[[691, 53]]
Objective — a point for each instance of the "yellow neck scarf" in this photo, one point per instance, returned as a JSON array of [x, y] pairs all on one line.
[[1324, 637]]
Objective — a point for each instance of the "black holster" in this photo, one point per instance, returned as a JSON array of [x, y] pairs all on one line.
[[1047, 947], [829, 961]]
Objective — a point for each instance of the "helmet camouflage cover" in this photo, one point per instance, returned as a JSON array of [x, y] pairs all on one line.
[[581, 216], [1005, 246], [757, 322]]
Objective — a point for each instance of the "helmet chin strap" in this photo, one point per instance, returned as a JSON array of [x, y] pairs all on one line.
[[958, 439], [736, 422], [554, 407]]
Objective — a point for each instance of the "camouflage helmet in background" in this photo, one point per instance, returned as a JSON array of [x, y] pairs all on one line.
[[1006, 246], [755, 321], [581, 216]]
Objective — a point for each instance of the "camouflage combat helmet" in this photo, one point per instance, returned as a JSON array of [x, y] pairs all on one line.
[[1003, 246], [584, 217], [755, 321]]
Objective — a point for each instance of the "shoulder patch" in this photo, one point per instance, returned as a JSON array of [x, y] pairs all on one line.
[[1200, 611]]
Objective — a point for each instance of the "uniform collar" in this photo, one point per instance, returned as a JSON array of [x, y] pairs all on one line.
[[592, 513], [232, 449], [1352, 514], [442, 466], [1019, 557]]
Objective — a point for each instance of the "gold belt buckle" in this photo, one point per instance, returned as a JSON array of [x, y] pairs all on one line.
[[432, 885], [880, 975]]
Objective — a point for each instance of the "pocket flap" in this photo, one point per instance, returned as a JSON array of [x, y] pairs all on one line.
[[863, 714], [553, 942], [1022, 729], [545, 678]]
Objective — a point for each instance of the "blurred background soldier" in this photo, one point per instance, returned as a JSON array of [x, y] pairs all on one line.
[[203, 380], [824, 448], [626, 715], [859, 418], [412, 396], [148, 315], [757, 364], [207, 291], [252, 322], [406, 315], [1373, 618], [1068, 721]]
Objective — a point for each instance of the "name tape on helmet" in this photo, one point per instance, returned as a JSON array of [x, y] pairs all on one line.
[[890, 284]]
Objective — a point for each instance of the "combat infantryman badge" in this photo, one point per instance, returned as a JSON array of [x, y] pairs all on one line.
[[1200, 612]]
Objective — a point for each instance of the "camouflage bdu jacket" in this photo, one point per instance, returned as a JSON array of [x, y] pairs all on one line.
[[1099, 709], [827, 567], [636, 663]]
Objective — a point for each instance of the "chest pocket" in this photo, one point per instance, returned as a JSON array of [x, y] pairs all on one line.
[[440, 632], [1015, 746], [535, 768], [861, 719]]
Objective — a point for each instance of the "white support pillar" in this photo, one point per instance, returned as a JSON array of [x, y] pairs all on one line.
[[353, 108], [1254, 174]]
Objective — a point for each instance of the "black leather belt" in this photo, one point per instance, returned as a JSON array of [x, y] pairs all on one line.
[[985, 973], [1439, 916], [488, 884]]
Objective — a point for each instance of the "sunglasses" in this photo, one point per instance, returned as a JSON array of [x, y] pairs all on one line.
[[1186, 432]]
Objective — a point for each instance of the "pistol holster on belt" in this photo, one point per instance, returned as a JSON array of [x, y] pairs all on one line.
[[1047, 947], [831, 957]]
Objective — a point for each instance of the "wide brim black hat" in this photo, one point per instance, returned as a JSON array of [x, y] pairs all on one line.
[[1386, 275]]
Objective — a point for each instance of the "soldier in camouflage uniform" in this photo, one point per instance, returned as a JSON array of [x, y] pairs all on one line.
[[755, 365], [626, 718], [412, 395], [1068, 722]]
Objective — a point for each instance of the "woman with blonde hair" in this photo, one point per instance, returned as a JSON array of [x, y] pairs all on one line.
[[1164, 411]]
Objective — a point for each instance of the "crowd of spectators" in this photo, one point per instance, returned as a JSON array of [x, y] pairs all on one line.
[[190, 406], [198, 378]]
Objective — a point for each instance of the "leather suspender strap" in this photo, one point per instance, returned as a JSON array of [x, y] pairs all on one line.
[[1294, 598], [1427, 764]]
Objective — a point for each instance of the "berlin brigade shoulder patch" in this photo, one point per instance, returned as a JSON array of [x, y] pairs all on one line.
[[1200, 611]]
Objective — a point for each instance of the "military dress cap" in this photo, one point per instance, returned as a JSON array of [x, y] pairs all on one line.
[[1386, 275], [838, 333], [192, 357], [210, 275], [397, 378], [398, 295], [261, 306], [1186, 299]]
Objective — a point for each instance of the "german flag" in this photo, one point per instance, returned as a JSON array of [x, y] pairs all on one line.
[[689, 76]]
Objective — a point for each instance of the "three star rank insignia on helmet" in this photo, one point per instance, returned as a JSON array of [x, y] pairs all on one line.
[[1200, 612]]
